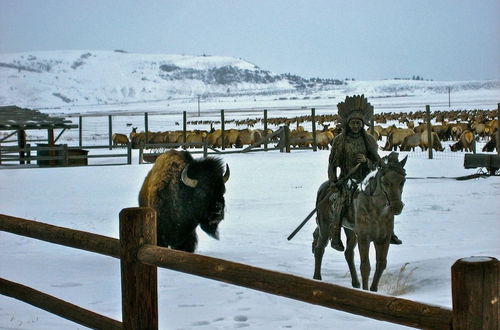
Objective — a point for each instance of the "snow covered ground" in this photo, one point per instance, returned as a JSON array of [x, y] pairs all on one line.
[[268, 195]]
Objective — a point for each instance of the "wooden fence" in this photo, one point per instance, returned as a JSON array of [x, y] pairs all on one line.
[[64, 155], [475, 289], [59, 155]]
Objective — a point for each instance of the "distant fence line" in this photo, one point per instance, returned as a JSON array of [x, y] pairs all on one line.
[[64, 155], [265, 120]]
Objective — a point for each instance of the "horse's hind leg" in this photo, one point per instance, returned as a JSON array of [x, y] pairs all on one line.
[[321, 239], [382, 249], [349, 256]]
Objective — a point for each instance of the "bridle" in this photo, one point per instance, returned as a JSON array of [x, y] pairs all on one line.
[[382, 171]]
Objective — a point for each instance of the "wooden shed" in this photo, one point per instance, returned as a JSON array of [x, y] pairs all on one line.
[[19, 120]]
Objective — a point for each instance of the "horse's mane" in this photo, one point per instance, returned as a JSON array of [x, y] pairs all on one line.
[[369, 183]]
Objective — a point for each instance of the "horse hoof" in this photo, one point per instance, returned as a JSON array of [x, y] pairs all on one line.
[[317, 277], [356, 285]]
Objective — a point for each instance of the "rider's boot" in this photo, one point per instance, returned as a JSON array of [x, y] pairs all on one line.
[[336, 242], [395, 240]]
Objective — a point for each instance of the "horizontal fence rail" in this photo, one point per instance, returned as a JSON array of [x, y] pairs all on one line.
[[67, 237], [139, 255], [60, 155], [57, 306], [59, 235], [384, 308], [379, 307]]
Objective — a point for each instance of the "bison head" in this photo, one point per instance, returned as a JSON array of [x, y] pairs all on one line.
[[204, 181]]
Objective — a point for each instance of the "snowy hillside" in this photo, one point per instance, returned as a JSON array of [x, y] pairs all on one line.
[[101, 77], [82, 78]]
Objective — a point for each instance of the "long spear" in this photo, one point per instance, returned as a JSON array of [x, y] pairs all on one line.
[[326, 198]]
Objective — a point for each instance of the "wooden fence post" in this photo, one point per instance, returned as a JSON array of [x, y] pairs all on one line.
[[223, 127], [28, 153], [286, 135], [313, 122], [265, 128], [129, 153], [65, 155], [146, 128], [51, 150], [110, 132], [139, 281], [184, 128], [429, 130], [80, 130], [281, 136], [475, 293], [21, 143]]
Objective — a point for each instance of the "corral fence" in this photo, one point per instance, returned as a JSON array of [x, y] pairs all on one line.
[[310, 143], [475, 289], [185, 123], [60, 155], [64, 155]]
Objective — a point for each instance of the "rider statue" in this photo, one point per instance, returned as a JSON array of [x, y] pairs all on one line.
[[351, 147]]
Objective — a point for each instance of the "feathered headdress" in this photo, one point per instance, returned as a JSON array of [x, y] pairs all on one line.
[[355, 106]]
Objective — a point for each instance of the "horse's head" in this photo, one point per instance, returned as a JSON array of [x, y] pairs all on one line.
[[392, 180]]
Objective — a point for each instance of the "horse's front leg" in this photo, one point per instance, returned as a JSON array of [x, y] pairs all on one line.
[[382, 249], [349, 256], [319, 243], [364, 256]]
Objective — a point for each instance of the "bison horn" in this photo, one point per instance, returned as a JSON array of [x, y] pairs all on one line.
[[226, 174], [187, 180]]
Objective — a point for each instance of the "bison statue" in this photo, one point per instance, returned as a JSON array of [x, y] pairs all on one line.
[[185, 193]]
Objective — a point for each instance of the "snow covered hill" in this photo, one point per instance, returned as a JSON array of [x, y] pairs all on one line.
[[90, 77], [81, 77]]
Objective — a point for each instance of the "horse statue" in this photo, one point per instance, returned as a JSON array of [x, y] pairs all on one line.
[[370, 218]]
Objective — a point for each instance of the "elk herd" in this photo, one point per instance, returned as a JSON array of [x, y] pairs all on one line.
[[405, 131], [462, 128], [233, 138]]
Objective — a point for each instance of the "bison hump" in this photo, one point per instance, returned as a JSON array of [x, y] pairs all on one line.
[[165, 173]]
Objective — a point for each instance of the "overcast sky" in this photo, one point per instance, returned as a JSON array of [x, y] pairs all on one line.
[[365, 40]]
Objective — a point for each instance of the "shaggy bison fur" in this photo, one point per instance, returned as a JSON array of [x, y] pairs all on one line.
[[185, 193]]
